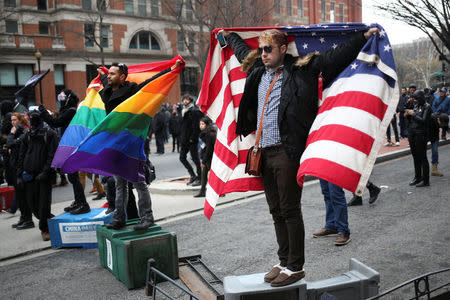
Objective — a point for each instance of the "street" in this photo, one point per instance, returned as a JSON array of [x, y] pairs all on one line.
[[402, 235]]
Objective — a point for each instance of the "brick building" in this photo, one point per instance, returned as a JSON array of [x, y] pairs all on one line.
[[74, 36]]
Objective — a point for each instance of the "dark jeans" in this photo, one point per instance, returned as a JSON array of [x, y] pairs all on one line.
[[25, 211], [418, 145], [402, 124], [204, 178], [394, 126], [132, 212], [159, 143], [175, 140], [78, 190], [283, 196], [336, 215], [192, 149], [39, 198]]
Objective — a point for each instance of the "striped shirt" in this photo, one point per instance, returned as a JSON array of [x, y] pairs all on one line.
[[270, 134]]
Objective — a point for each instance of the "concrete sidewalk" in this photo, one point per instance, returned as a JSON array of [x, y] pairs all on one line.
[[170, 199]]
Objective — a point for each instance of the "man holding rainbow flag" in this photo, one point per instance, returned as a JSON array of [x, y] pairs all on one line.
[[116, 90]]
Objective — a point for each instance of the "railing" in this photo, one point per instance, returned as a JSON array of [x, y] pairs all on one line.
[[8, 40], [421, 286], [151, 287]]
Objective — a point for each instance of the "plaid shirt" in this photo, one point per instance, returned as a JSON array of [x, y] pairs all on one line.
[[270, 134]]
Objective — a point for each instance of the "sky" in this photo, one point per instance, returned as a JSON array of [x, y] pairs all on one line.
[[398, 32]]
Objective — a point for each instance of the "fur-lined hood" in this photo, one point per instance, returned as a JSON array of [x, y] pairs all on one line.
[[251, 58]]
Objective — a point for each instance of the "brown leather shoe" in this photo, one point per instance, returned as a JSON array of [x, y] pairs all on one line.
[[342, 240], [325, 232], [287, 277], [45, 236], [273, 273]]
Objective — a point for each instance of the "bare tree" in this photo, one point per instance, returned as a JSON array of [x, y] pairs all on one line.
[[430, 16], [195, 20], [416, 62]]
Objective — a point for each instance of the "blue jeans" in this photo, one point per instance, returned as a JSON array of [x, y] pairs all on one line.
[[434, 152], [335, 207]]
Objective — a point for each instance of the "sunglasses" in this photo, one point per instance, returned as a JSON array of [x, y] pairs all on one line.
[[266, 49]]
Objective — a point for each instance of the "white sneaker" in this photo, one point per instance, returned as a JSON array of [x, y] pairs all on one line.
[[387, 144], [397, 144]]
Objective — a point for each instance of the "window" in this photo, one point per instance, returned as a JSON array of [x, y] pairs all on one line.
[[59, 78], [42, 4], [180, 41], [289, 7], [155, 8], [323, 12], [11, 26], [129, 7], [178, 7], [86, 4], [104, 36], [191, 42], [10, 3], [101, 5], [144, 40], [189, 10], [89, 35], [300, 8], [277, 6], [332, 12], [12, 78], [142, 8], [341, 13], [44, 28], [189, 81]]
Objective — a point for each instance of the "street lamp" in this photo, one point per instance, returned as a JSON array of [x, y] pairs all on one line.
[[38, 56]]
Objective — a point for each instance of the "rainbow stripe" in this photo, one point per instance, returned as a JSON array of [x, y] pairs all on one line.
[[90, 112], [116, 145]]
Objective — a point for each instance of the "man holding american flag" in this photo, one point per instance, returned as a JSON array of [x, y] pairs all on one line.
[[290, 109]]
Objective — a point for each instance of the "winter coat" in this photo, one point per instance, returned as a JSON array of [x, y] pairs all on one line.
[[299, 92], [208, 137], [36, 151], [174, 125], [441, 105], [159, 123], [420, 121], [64, 117], [190, 126], [13, 142], [127, 89]]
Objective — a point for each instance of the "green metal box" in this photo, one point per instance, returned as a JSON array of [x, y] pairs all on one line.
[[126, 254]]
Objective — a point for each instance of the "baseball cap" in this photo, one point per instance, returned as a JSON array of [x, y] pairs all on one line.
[[444, 90]]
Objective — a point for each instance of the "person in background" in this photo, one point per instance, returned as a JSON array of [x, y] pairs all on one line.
[[68, 107], [401, 110], [419, 113], [441, 104], [208, 136], [374, 191], [20, 127], [34, 170], [174, 129]]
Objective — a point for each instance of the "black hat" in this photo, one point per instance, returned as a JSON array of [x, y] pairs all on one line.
[[412, 86]]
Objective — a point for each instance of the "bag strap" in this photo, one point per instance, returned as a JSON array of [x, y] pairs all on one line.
[[258, 134]]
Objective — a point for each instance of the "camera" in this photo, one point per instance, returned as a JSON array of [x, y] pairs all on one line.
[[222, 41]]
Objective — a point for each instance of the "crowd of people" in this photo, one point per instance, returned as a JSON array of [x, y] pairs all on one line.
[[29, 141]]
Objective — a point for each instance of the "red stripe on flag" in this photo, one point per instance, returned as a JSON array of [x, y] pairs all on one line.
[[226, 101], [231, 134], [329, 171], [360, 100], [344, 135], [208, 210], [225, 155], [235, 185]]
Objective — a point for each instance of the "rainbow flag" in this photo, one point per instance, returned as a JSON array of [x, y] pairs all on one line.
[[116, 145], [90, 112]]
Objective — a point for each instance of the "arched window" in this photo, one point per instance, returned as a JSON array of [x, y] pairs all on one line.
[[144, 40]]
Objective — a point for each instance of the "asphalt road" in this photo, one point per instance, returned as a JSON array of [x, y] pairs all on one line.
[[402, 235]]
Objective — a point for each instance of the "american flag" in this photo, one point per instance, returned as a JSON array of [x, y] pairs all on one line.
[[354, 110]]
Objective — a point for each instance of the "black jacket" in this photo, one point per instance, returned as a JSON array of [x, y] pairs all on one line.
[[13, 142], [174, 125], [36, 151], [159, 122], [64, 117], [208, 136], [299, 92], [190, 126], [127, 89], [420, 122]]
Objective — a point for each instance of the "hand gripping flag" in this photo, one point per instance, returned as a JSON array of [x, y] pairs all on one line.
[[116, 145], [354, 111]]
